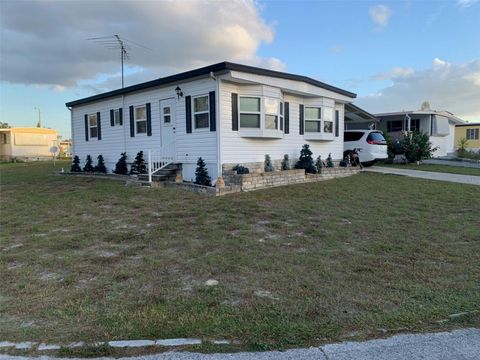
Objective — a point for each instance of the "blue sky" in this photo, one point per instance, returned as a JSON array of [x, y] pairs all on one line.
[[394, 55]]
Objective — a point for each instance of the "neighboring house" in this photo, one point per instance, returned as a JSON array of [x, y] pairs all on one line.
[[226, 113], [27, 143], [469, 131], [65, 148], [439, 125]]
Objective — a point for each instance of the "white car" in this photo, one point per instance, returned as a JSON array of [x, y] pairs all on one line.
[[370, 145]]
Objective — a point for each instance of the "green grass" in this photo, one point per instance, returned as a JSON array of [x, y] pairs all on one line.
[[436, 168], [85, 259]]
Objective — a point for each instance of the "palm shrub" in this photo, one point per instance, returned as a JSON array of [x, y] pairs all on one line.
[[285, 162], [306, 161], [121, 167], [201, 173], [138, 166], [88, 165], [100, 168], [268, 166], [76, 164], [417, 147]]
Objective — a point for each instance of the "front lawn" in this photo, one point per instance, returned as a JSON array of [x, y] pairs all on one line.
[[353, 258], [436, 168]]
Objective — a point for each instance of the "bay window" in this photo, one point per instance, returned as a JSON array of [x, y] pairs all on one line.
[[250, 112], [313, 119]]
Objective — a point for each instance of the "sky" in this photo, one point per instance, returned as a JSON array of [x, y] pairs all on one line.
[[393, 54]]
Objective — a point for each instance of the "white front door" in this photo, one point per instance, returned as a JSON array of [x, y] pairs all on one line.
[[167, 121]]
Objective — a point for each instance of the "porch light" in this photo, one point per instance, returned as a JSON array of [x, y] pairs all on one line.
[[179, 92]]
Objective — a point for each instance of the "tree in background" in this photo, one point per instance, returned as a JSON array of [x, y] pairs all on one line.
[[306, 161], [121, 167], [4, 125], [88, 165], [76, 165], [201, 173], [100, 168]]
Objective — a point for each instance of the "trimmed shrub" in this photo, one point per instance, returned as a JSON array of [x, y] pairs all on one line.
[[241, 169], [329, 161], [306, 161], [319, 163], [76, 165], [138, 166], [121, 167], [88, 165], [201, 173], [285, 162], [268, 166], [100, 168]]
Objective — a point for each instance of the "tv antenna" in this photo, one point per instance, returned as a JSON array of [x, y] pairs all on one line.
[[115, 42]]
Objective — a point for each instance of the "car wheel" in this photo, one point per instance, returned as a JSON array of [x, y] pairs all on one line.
[[367, 163]]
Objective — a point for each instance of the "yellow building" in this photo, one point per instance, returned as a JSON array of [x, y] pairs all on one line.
[[27, 143], [471, 132]]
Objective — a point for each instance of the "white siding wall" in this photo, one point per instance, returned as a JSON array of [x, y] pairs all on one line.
[[237, 149], [116, 139], [446, 144]]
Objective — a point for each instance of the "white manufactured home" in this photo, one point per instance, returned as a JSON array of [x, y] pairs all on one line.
[[439, 125], [226, 113]]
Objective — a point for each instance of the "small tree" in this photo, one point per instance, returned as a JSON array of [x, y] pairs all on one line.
[[121, 167], [201, 174], [100, 168], [329, 161], [268, 166], [285, 162], [76, 164], [319, 163], [306, 161], [88, 164], [417, 146], [138, 166]]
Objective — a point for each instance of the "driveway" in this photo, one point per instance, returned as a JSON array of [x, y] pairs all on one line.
[[462, 179], [459, 345]]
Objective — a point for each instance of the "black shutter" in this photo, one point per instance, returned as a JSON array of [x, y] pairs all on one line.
[[188, 113], [234, 112], [286, 109], [337, 122], [300, 118], [132, 123], [120, 115], [211, 102], [86, 127], [112, 117], [99, 127], [149, 119]]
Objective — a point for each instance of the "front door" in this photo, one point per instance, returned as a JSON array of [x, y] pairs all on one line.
[[167, 119]]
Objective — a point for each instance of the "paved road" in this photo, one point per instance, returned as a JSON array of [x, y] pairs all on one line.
[[455, 345], [430, 175], [453, 163]]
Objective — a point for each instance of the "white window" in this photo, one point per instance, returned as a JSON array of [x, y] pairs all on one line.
[[328, 120], [313, 119], [250, 112], [92, 125], [167, 115], [141, 119], [472, 134], [116, 117], [272, 110], [201, 112]]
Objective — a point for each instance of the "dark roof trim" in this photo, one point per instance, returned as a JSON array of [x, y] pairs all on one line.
[[468, 124], [355, 108], [223, 66]]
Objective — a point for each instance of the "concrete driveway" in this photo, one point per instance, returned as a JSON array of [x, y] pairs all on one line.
[[456, 345], [430, 175]]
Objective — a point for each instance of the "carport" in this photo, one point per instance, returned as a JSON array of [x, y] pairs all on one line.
[[357, 118]]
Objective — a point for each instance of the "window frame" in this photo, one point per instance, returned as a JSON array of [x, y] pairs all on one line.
[[259, 112], [472, 134], [194, 113], [91, 127], [164, 123], [136, 121], [5, 138], [116, 117], [319, 120]]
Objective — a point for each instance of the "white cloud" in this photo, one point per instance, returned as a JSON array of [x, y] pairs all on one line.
[[380, 14], [447, 86], [44, 42], [395, 73], [465, 3]]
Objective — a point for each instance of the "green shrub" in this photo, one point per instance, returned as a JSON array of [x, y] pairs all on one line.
[[88, 165], [306, 161], [329, 161], [138, 166], [121, 167], [285, 162], [417, 146], [201, 173], [319, 163], [100, 168], [76, 165], [241, 169], [268, 166]]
